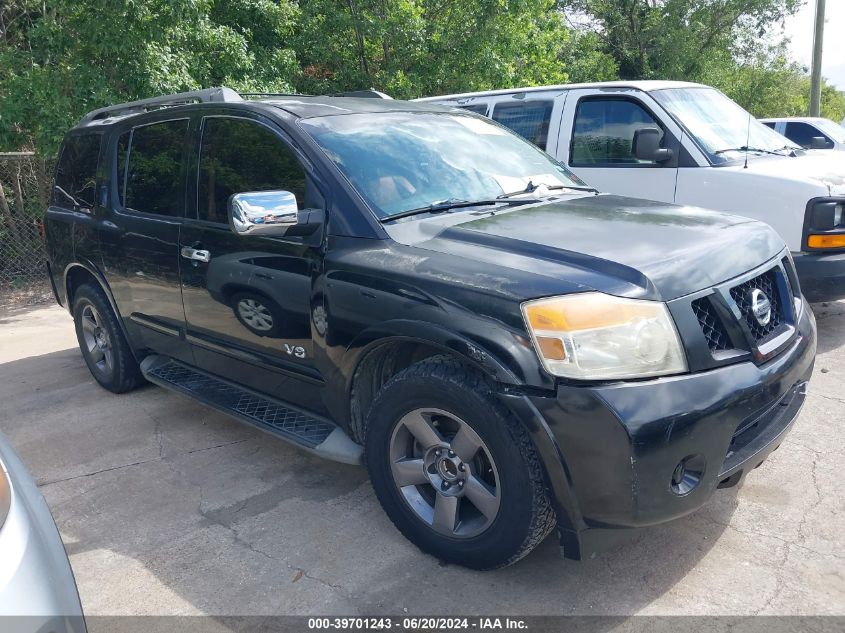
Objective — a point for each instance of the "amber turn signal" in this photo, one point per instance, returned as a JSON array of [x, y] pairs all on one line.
[[826, 241]]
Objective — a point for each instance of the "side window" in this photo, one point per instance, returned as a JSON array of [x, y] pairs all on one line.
[[75, 185], [803, 133], [604, 132], [478, 108], [529, 119], [770, 124], [153, 181], [237, 156]]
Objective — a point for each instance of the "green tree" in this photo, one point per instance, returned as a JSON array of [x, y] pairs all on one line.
[[413, 48], [62, 58], [674, 39]]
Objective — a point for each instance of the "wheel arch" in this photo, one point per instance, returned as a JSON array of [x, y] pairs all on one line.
[[77, 274]]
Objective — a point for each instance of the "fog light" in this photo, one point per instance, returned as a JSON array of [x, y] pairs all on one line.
[[687, 474]]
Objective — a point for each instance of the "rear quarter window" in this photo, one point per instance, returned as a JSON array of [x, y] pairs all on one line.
[[75, 184]]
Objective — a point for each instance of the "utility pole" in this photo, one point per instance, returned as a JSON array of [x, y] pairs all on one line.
[[816, 76]]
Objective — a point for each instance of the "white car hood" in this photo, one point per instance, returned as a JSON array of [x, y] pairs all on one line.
[[824, 167]]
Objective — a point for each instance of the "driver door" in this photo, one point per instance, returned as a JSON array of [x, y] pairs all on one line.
[[248, 299], [601, 127]]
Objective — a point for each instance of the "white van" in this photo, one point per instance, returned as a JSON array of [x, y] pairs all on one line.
[[809, 132], [688, 144]]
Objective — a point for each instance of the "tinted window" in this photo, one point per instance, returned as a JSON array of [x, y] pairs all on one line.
[[154, 171], [478, 108], [122, 155], [803, 134], [75, 186], [770, 124], [529, 119], [604, 131], [238, 156]]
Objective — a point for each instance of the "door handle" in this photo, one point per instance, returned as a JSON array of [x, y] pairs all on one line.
[[195, 255]]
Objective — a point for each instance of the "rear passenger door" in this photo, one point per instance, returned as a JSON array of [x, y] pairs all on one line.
[[598, 144], [139, 238]]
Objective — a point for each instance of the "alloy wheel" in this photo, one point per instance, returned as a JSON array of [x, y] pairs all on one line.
[[445, 473], [97, 340]]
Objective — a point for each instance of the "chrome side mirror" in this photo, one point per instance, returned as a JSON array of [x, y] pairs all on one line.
[[263, 212]]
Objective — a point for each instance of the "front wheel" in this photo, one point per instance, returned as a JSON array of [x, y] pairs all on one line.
[[456, 474]]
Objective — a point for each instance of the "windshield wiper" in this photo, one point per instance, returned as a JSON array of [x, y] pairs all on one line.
[[447, 205], [531, 188], [748, 149]]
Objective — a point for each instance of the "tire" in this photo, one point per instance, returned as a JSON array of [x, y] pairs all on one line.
[[451, 398], [258, 314], [103, 345]]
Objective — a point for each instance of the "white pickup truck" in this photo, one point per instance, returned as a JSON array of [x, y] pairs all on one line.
[[687, 143]]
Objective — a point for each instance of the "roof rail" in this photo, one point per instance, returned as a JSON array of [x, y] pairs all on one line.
[[259, 95], [144, 105], [370, 93]]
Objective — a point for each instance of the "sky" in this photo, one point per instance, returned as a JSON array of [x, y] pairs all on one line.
[[799, 28]]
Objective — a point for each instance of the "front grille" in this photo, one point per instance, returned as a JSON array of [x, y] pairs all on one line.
[[712, 326], [741, 294]]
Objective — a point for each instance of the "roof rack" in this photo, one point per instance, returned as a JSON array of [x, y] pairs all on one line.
[[273, 94], [207, 95], [370, 93]]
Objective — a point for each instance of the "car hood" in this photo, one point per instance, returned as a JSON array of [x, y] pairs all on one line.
[[821, 167], [613, 244]]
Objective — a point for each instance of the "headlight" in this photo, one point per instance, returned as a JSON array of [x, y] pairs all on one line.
[[5, 495], [594, 336]]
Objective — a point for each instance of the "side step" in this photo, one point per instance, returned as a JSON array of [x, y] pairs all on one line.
[[314, 434]]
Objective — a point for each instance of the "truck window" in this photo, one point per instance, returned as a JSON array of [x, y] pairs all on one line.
[[238, 156], [154, 168], [529, 119], [75, 185], [770, 124], [803, 133], [604, 132], [478, 108]]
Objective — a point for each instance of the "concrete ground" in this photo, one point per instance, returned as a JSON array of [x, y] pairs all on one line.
[[167, 507]]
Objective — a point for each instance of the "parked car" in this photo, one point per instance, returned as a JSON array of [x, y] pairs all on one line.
[[35, 577], [506, 350], [809, 132], [686, 143]]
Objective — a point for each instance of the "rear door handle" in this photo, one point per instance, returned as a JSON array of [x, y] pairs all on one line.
[[195, 255]]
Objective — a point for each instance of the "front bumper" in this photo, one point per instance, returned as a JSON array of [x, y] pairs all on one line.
[[620, 444], [36, 581], [821, 275]]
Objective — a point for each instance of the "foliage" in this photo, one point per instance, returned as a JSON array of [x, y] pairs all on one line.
[[412, 48], [62, 58], [674, 39], [760, 76]]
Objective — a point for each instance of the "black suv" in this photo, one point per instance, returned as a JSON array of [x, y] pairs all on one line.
[[418, 289]]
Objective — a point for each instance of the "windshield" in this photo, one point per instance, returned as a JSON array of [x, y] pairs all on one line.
[[400, 161], [721, 127], [833, 130]]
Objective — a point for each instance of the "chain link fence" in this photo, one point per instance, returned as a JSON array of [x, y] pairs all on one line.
[[24, 193]]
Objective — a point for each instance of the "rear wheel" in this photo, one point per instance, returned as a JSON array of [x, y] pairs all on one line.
[[103, 345], [456, 474]]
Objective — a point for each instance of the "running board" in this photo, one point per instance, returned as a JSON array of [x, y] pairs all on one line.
[[314, 434]]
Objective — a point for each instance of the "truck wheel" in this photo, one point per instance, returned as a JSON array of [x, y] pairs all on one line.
[[101, 340], [454, 471]]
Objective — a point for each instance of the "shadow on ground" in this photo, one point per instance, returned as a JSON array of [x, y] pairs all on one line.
[[169, 507]]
